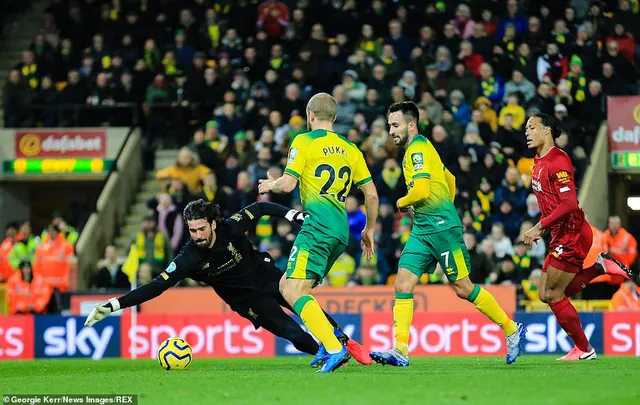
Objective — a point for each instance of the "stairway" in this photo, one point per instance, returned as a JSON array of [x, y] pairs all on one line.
[[150, 187], [25, 28]]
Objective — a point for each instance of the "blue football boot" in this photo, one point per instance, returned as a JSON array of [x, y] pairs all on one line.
[[318, 361], [515, 343], [393, 357], [335, 360]]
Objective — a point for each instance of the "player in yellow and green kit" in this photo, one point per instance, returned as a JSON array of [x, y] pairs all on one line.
[[436, 237], [326, 164]]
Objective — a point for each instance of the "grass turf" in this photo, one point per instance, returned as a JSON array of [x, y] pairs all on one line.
[[536, 380]]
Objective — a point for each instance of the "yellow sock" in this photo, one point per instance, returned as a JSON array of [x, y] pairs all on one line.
[[402, 316], [317, 323], [487, 304]]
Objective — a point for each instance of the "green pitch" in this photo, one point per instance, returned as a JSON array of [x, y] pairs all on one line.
[[535, 380]]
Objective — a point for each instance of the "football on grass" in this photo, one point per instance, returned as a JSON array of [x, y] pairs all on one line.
[[174, 354]]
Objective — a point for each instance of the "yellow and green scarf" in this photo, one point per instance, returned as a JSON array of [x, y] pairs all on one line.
[[488, 86]]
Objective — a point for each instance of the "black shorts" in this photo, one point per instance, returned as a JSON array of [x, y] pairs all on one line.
[[269, 302]]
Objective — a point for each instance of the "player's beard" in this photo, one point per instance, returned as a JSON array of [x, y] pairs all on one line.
[[203, 243], [401, 138]]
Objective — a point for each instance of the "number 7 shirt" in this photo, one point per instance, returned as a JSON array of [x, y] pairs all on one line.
[[436, 213]]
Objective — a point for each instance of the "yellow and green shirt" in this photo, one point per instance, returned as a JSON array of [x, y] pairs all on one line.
[[327, 165], [437, 213]]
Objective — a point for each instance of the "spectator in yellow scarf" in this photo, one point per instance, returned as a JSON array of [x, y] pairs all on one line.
[[576, 80]]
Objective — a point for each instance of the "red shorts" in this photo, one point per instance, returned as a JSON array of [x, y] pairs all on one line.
[[568, 250]]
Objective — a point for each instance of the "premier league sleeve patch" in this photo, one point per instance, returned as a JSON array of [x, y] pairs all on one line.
[[417, 160], [292, 155], [171, 267]]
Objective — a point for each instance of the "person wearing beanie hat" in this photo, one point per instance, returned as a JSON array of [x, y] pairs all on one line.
[[576, 80], [217, 141], [459, 108], [356, 90], [409, 84], [240, 135], [296, 127], [490, 116]]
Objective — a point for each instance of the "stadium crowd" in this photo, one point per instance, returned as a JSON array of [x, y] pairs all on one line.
[[228, 81]]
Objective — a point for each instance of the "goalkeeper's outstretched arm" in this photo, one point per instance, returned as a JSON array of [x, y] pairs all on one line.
[[167, 279]]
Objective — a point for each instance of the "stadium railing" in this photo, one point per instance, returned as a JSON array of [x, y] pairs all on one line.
[[80, 115]]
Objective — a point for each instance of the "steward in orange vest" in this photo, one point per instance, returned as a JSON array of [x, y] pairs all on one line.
[[27, 293], [627, 298], [52, 259], [5, 249], [620, 244]]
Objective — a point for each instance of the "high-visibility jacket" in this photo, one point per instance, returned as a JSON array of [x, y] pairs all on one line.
[[23, 250], [71, 235], [622, 246], [624, 300], [51, 262], [5, 267], [597, 247], [22, 295]]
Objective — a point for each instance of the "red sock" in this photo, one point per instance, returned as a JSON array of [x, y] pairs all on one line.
[[569, 320], [582, 279]]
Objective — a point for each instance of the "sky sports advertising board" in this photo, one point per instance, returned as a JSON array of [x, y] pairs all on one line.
[[229, 335]]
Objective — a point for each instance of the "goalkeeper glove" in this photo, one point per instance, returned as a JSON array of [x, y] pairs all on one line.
[[101, 311], [296, 216]]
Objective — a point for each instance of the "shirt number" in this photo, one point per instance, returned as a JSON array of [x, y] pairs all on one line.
[[344, 174], [446, 258], [292, 256]]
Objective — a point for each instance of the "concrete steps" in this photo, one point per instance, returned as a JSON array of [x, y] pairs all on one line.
[[149, 188]]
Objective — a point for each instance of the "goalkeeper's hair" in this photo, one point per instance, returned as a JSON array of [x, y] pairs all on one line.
[[409, 110], [548, 121], [201, 209]]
